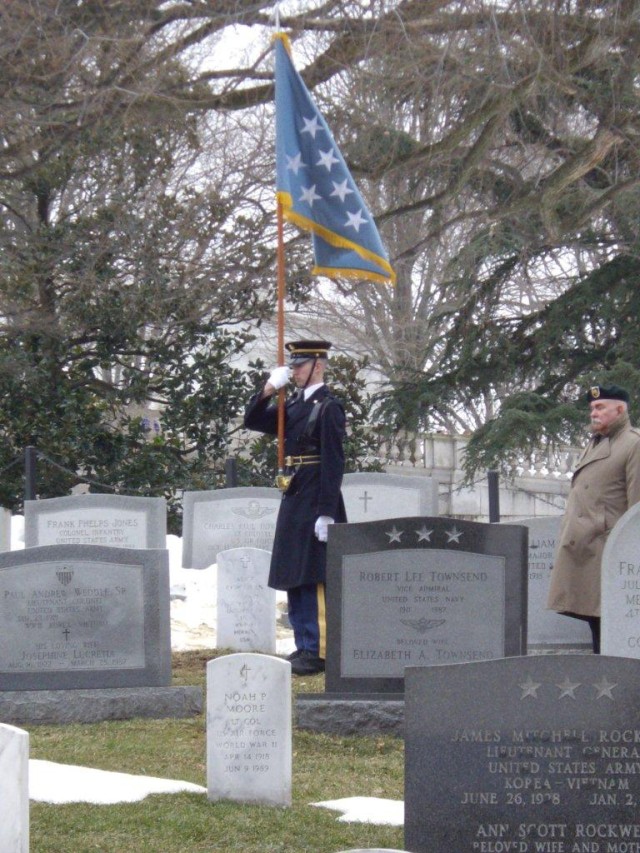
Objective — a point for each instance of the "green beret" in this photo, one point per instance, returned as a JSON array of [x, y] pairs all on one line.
[[607, 392]]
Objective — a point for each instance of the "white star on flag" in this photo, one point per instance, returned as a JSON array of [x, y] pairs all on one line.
[[294, 164], [327, 159], [355, 220], [309, 195], [311, 126], [341, 190]]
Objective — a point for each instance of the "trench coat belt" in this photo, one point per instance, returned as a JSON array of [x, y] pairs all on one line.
[[293, 461]]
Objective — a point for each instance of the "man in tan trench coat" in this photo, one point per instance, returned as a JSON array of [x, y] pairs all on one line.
[[605, 484]]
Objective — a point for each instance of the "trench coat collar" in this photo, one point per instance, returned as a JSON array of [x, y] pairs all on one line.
[[602, 449]]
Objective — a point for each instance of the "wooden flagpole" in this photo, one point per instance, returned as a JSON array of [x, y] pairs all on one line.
[[280, 322], [280, 302]]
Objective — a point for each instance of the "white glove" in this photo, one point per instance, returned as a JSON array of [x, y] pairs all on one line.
[[322, 527], [279, 377]]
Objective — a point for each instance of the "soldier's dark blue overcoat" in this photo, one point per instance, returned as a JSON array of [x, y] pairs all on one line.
[[298, 557]]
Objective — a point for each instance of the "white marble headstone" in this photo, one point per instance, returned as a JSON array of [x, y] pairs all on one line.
[[249, 729], [115, 521], [620, 588], [221, 519], [374, 496], [14, 790], [547, 629], [246, 605], [5, 529]]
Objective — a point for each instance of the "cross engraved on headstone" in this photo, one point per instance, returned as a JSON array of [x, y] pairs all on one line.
[[365, 498], [370, 496], [244, 672], [245, 561], [66, 634]]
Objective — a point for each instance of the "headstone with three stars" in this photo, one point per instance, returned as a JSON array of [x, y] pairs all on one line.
[[525, 754], [421, 591]]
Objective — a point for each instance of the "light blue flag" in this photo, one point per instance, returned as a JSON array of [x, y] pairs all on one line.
[[314, 185]]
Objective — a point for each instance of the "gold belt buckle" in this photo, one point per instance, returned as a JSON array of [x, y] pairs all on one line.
[[283, 481]]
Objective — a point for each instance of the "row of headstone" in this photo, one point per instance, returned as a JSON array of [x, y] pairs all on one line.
[[222, 519], [213, 521], [87, 616], [230, 518], [245, 616], [64, 634]]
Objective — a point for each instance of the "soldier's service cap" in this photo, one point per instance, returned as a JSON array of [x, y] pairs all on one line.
[[607, 392], [300, 351]]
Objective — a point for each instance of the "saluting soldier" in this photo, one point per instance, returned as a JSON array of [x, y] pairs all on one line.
[[605, 484], [312, 500]]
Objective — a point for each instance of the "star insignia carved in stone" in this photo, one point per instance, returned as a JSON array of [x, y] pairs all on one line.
[[604, 688], [529, 688], [423, 534], [568, 688], [394, 534], [454, 535]]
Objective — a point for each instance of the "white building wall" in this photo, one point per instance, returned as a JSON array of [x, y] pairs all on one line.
[[536, 486]]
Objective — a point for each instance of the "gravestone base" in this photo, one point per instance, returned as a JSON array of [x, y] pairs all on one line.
[[20, 707], [351, 714]]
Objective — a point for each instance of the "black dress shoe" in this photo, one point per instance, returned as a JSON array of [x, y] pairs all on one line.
[[306, 663], [295, 654]]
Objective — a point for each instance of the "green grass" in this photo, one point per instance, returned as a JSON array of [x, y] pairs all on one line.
[[324, 768]]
